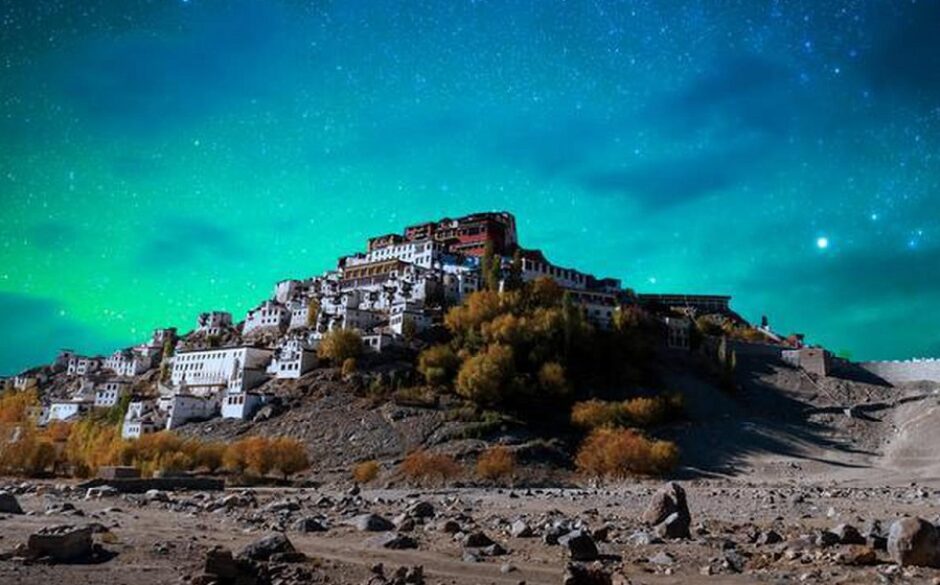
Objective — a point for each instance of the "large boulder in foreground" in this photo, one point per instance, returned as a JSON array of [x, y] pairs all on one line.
[[8, 504], [274, 546], [668, 511], [62, 543], [914, 541]]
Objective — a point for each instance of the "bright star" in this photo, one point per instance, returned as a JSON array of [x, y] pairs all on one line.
[[822, 242]]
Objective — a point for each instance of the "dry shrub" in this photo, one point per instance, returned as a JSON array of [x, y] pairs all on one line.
[[258, 456], [349, 366], [422, 467], [290, 456], [593, 414], [365, 471], [339, 345], [617, 453], [644, 412], [496, 464]]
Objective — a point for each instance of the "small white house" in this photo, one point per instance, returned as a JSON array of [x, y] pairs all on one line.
[[268, 316], [378, 342], [402, 313], [140, 419], [181, 408], [242, 405], [82, 366], [214, 322], [66, 409], [108, 393], [293, 358]]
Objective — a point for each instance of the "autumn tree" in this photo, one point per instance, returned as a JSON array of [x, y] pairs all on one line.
[[485, 378], [438, 364], [339, 345]]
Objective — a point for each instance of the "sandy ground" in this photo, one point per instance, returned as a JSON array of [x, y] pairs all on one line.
[[157, 542]]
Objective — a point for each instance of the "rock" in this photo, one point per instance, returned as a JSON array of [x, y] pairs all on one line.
[[9, 504], [875, 536], [768, 537], [222, 567], [477, 540], [450, 527], [156, 496], [580, 546], [264, 548], [421, 510], [520, 529], [102, 491], [848, 534], [824, 539], [576, 574], [393, 541], [662, 558], [309, 524], [61, 543], [282, 506], [914, 541], [857, 555], [674, 526], [669, 504], [372, 523]]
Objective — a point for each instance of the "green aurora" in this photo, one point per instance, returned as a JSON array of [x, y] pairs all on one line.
[[162, 158]]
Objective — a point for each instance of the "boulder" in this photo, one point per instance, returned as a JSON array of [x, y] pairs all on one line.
[[266, 547], [857, 555], [848, 534], [577, 574], [222, 567], [669, 504], [393, 541], [421, 510], [309, 524], [520, 529], [61, 543], [477, 540], [914, 541], [580, 546], [8, 504], [372, 523]]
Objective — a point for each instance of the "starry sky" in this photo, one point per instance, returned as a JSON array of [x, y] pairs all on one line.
[[159, 158]]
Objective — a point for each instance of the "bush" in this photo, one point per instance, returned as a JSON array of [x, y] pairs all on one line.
[[339, 345], [289, 456], [593, 414], [422, 467], [485, 378], [618, 453], [365, 471], [496, 464], [438, 364], [349, 366], [552, 379], [639, 412]]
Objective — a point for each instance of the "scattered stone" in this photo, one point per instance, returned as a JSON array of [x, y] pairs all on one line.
[[824, 538], [768, 537], [576, 574], [267, 547], [580, 546], [857, 555], [875, 536], [393, 541], [372, 523], [9, 504], [450, 527], [519, 529], [222, 567], [669, 508], [914, 541], [421, 510], [309, 524], [848, 534], [662, 558], [477, 540], [103, 491]]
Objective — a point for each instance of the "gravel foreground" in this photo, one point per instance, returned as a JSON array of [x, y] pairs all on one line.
[[736, 533]]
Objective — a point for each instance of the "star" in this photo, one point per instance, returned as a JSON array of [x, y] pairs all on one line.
[[822, 242]]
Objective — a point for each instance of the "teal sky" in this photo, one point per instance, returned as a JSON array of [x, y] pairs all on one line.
[[160, 158]]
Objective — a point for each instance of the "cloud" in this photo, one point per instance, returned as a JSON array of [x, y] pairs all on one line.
[[149, 82], [181, 241], [37, 328], [662, 183]]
